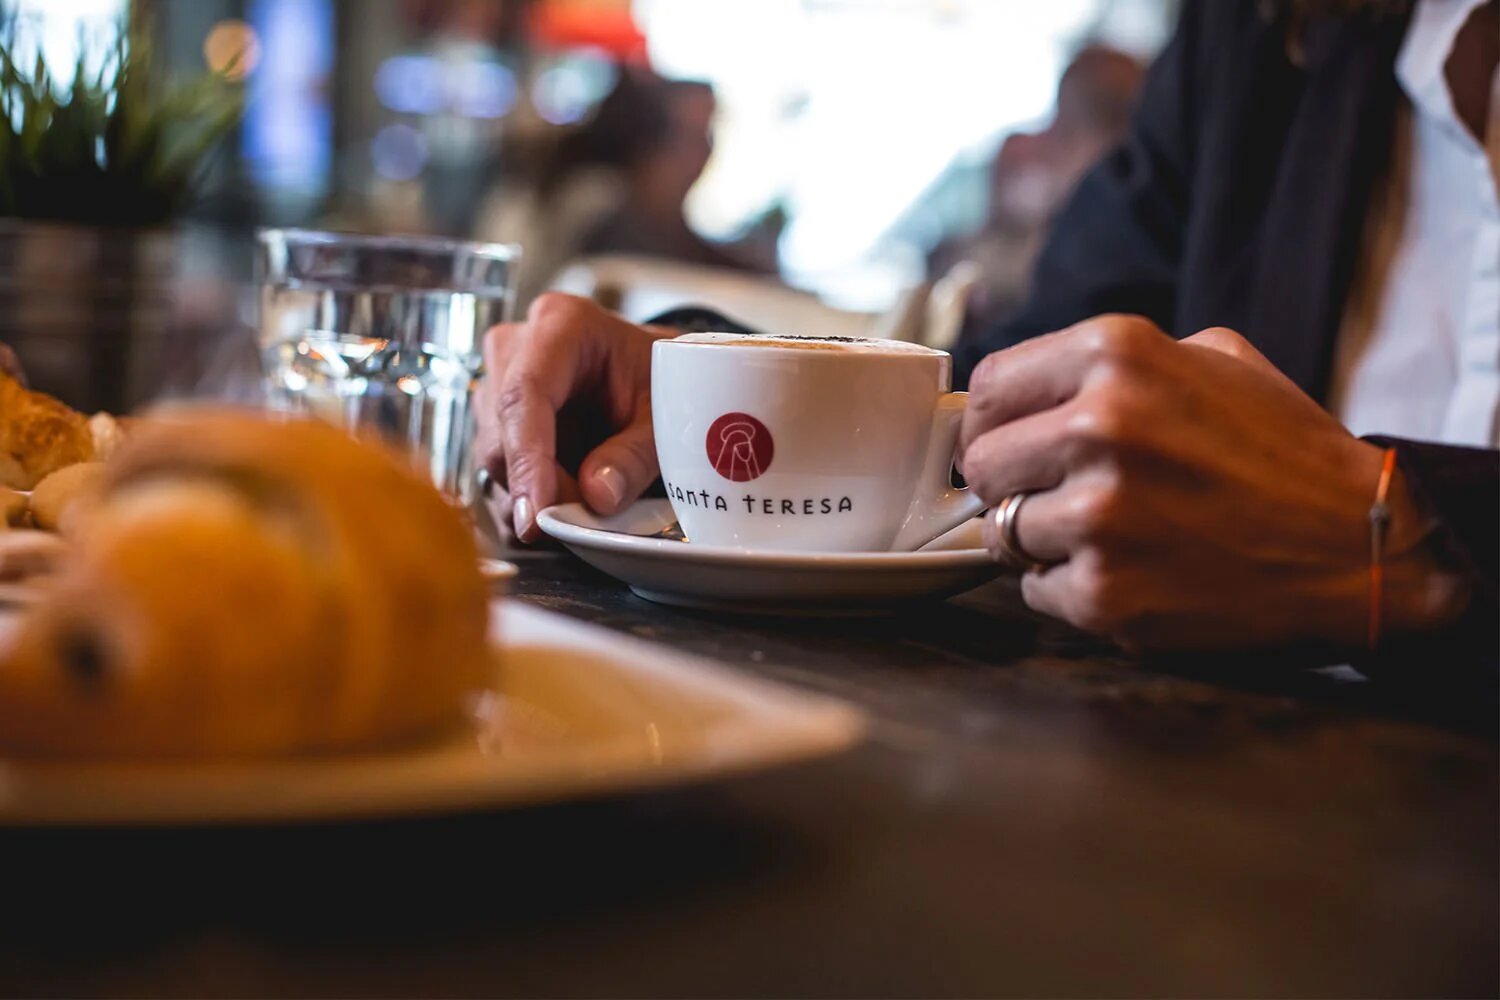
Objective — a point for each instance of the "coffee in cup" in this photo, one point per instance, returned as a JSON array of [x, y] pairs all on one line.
[[807, 444]]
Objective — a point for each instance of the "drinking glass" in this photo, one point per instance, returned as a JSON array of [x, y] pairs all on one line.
[[383, 333]]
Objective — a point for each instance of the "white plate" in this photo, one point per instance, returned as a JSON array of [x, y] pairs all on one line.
[[576, 710], [752, 582], [497, 570], [23, 592]]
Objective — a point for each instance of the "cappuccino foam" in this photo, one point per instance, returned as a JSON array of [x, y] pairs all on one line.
[[796, 342]]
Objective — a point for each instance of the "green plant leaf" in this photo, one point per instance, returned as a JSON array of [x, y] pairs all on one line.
[[120, 146]]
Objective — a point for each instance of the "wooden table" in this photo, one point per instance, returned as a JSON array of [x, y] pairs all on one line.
[[1032, 815]]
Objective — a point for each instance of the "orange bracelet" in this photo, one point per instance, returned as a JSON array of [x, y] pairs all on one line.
[[1380, 523]]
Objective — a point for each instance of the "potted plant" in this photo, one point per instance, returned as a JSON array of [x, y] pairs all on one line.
[[95, 166]]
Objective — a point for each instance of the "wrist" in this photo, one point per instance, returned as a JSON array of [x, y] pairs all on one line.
[[1417, 592], [1421, 594]]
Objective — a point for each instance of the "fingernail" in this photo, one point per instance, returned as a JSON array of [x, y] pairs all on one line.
[[613, 482], [525, 519]]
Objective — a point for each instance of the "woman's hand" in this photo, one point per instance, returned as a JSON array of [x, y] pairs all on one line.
[[569, 358], [1187, 494]]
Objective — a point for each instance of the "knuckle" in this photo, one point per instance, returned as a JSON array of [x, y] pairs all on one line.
[[1121, 339], [984, 373], [1235, 340], [521, 468], [1102, 421], [1099, 510], [513, 395], [555, 309], [1228, 336]]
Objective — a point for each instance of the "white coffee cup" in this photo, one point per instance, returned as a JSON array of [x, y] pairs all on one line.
[[807, 444]]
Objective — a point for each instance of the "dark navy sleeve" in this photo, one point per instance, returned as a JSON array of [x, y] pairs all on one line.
[[1116, 245], [1459, 489]]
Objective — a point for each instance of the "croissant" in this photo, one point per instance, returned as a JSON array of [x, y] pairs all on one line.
[[243, 586], [55, 497], [38, 435]]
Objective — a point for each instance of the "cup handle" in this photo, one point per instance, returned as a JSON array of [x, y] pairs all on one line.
[[938, 506]]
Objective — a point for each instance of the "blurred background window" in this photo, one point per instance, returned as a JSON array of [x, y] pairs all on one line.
[[868, 123], [62, 30], [847, 149], [288, 131]]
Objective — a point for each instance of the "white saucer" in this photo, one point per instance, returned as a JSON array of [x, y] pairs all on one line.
[[751, 582]]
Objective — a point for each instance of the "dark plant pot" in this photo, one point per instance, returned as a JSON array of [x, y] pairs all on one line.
[[90, 310]]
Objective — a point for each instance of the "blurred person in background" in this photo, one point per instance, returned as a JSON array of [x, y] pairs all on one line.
[[618, 184], [1298, 243], [1031, 177]]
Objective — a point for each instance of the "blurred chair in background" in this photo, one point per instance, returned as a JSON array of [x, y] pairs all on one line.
[[640, 287], [946, 308], [1032, 175]]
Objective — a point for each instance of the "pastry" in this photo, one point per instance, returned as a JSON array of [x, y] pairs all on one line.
[[107, 433], [244, 586], [38, 435], [57, 496], [25, 554], [13, 506]]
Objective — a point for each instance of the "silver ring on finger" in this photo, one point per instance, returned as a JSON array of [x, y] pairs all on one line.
[[1007, 540], [484, 481]]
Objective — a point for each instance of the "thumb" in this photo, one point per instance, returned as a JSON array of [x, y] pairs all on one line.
[[619, 470]]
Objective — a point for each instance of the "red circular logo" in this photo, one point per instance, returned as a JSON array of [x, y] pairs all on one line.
[[739, 447]]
